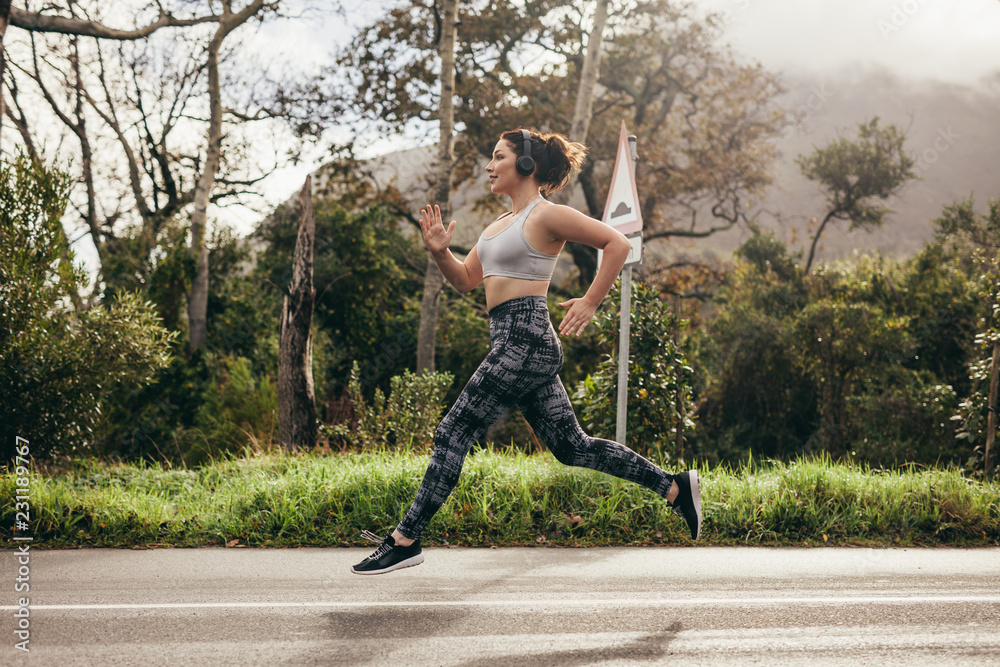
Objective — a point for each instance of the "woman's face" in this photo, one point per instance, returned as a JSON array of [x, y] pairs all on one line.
[[502, 169]]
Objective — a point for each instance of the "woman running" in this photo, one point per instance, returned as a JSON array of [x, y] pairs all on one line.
[[514, 258]]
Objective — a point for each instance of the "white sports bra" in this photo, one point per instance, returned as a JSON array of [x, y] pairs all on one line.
[[511, 255]]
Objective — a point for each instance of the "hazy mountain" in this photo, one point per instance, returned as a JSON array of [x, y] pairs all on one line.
[[953, 131]]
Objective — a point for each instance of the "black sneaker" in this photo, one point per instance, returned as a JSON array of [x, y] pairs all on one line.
[[388, 556], [687, 504]]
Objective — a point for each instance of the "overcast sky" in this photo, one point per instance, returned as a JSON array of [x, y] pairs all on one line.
[[947, 40]]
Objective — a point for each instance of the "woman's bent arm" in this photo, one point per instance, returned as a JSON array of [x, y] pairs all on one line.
[[615, 253], [454, 271], [568, 224]]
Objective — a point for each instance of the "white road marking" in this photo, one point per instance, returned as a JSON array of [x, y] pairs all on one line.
[[722, 602]]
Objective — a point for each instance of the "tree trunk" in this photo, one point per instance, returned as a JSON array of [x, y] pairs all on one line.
[[819, 233], [433, 280], [198, 300], [296, 396], [583, 110], [429, 306], [991, 419], [585, 257], [4, 22]]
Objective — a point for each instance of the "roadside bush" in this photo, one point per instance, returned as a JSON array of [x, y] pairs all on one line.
[[908, 421], [754, 395], [238, 410], [659, 378], [407, 418], [59, 363], [143, 422], [203, 407], [972, 414], [975, 240], [855, 359]]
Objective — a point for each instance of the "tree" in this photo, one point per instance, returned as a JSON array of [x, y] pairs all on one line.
[[198, 299], [753, 396], [139, 102], [852, 174], [834, 361], [974, 240], [583, 110], [433, 280], [47, 23], [296, 394], [705, 122]]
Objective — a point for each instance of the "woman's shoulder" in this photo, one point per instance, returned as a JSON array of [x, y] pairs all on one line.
[[564, 222], [552, 211]]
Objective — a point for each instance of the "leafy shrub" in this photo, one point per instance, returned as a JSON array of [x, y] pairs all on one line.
[[57, 364], [972, 413], [856, 359], [659, 377], [755, 396], [237, 410], [975, 240], [143, 422], [200, 408], [908, 421], [408, 417]]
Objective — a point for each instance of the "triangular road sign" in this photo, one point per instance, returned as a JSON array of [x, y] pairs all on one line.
[[622, 209]]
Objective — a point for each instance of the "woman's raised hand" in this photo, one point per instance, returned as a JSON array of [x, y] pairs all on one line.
[[436, 237]]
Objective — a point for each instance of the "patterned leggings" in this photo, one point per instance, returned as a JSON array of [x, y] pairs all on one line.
[[520, 370]]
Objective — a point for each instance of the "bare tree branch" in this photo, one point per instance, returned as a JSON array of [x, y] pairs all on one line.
[[38, 22], [20, 120]]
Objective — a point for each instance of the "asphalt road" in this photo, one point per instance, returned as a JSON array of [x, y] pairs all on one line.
[[545, 606]]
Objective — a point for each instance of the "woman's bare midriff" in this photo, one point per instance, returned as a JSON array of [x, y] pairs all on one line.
[[503, 288]]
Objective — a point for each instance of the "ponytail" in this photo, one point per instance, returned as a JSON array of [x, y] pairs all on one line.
[[555, 156]]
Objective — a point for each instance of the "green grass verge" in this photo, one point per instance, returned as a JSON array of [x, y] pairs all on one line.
[[279, 500]]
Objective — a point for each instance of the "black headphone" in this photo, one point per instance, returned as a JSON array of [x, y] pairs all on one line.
[[525, 164]]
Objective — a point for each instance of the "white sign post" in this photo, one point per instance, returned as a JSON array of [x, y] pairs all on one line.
[[623, 213]]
